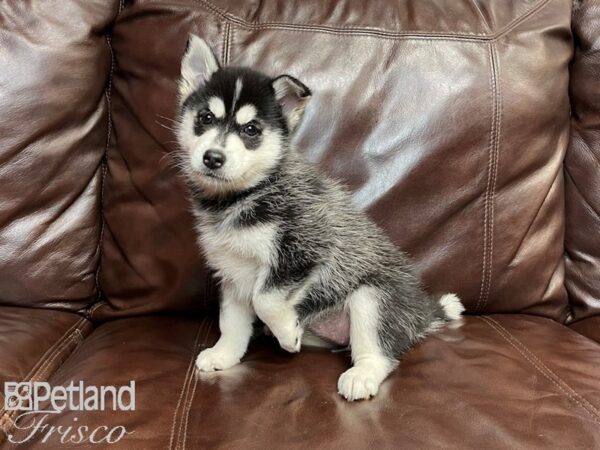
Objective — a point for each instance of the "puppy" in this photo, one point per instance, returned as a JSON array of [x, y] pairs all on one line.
[[285, 241]]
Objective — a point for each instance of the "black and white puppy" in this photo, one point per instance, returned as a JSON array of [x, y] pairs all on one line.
[[286, 243]]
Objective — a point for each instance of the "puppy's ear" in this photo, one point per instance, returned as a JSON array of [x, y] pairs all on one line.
[[197, 66], [293, 96]]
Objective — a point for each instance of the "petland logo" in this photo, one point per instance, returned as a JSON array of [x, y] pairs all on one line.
[[37, 400]]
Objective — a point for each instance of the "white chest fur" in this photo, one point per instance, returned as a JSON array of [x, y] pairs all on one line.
[[240, 255]]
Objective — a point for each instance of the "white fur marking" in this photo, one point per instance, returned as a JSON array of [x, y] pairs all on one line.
[[452, 306], [245, 114], [200, 146], [217, 107], [239, 255], [236, 93], [235, 323], [371, 366]]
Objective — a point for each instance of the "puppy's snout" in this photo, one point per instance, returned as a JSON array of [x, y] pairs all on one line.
[[213, 159]]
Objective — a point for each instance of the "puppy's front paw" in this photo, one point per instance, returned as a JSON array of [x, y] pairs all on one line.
[[290, 338], [357, 383], [213, 359]]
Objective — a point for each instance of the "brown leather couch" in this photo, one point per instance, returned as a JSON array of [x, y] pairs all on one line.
[[470, 131]]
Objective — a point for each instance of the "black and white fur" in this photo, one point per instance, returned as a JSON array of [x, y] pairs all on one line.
[[284, 240]]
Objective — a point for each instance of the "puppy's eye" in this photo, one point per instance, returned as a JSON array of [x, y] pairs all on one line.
[[250, 130], [206, 118]]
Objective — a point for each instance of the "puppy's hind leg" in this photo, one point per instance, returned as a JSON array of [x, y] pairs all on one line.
[[371, 365]]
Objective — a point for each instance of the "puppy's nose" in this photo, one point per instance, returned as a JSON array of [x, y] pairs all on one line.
[[213, 159]]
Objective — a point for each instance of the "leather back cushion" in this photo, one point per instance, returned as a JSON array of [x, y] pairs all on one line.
[[582, 170], [54, 62], [448, 119]]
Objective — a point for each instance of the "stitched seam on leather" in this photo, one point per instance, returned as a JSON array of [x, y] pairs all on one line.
[[48, 358], [519, 20], [75, 338], [193, 390], [184, 387], [373, 35], [495, 156], [370, 31], [485, 197], [543, 369], [104, 163], [48, 353], [488, 202], [225, 49], [183, 393], [547, 369], [231, 42], [189, 395], [37, 375]]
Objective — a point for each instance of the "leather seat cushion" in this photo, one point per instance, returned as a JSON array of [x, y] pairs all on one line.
[[589, 327], [33, 343], [505, 381]]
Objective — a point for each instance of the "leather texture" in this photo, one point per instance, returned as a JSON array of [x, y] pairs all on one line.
[[33, 344], [451, 133], [53, 127], [449, 120], [493, 383], [589, 327], [582, 164]]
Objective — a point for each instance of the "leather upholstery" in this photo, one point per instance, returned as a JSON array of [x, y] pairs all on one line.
[[582, 163], [589, 327], [33, 344], [494, 383], [53, 124], [449, 120], [426, 124]]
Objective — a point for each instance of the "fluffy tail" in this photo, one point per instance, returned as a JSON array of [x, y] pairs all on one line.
[[452, 306]]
